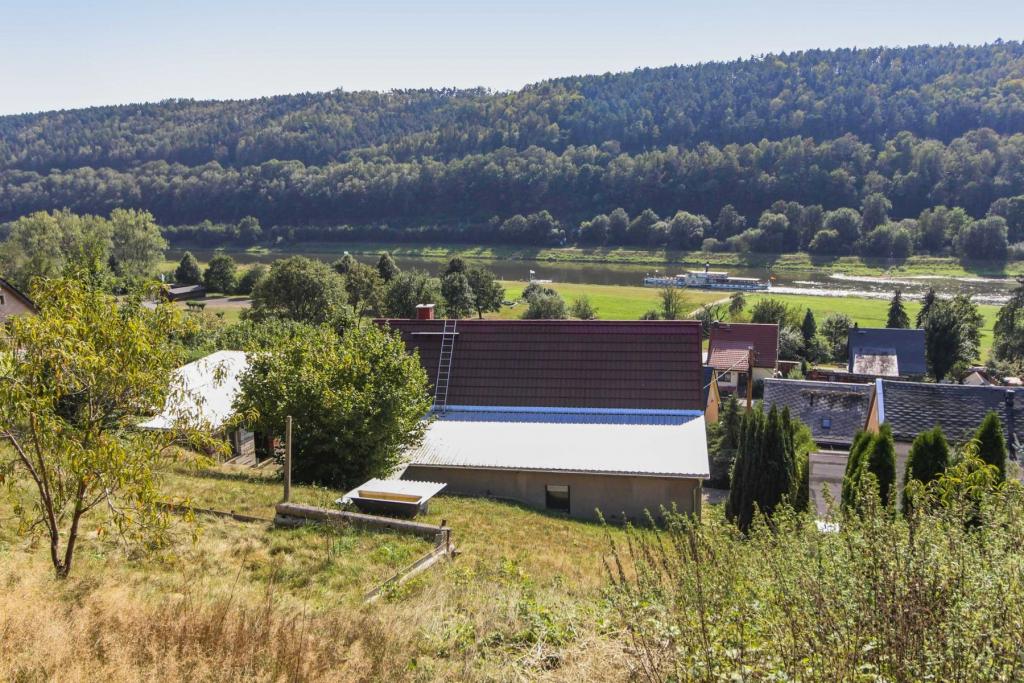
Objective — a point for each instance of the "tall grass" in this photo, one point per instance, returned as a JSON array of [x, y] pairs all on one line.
[[937, 597]]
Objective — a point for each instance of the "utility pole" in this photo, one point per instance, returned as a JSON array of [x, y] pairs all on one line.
[[750, 377], [288, 459]]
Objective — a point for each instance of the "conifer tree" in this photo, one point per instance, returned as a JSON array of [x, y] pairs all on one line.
[[854, 466], [809, 328], [881, 461], [926, 307], [992, 443], [898, 317], [764, 473], [928, 459]]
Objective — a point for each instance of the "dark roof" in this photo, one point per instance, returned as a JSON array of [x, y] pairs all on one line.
[[4, 284], [910, 408], [565, 363], [727, 347], [834, 411], [907, 345], [707, 376]]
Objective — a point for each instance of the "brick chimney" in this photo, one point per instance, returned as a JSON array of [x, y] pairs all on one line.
[[425, 311]]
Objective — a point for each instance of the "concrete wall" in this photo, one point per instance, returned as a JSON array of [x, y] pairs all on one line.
[[612, 494]]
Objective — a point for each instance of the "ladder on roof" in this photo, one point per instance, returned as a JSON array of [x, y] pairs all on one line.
[[444, 366]]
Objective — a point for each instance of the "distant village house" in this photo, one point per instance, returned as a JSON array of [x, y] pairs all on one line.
[[13, 301]]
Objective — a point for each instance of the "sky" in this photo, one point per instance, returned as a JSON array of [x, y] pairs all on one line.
[[60, 54]]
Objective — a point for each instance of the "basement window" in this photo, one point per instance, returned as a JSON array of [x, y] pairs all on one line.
[[557, 497]]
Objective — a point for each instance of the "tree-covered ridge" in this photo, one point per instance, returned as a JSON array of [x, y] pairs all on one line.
[[936, 92]]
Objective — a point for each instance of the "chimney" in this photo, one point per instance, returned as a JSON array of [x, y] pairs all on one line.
[[425, 311]]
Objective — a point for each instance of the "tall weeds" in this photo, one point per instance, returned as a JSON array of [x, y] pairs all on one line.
[[938, 596]]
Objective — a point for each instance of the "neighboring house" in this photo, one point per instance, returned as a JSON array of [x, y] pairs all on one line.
[[910, 408], [185, 292], [712, 397], [978, 378], [729, 351], [13, 301], [834, 411], [202, 396], [571, 416], [886, 352]]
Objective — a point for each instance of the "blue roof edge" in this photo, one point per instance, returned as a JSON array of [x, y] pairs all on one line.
[[572, 411]]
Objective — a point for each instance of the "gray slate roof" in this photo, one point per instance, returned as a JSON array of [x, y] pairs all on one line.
[[834, 411], [907, 345], [910, 408]]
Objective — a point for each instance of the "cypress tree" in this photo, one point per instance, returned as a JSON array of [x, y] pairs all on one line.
[[731, 419], [926, 307], [928, 458], [992, 443], [854, 467], [809, 327], [765, 470], [898, 317], [881, 461]]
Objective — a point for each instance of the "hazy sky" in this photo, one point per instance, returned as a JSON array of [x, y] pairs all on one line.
[[74, 53]]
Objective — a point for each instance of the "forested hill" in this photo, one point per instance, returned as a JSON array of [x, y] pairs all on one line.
[[921, 126]]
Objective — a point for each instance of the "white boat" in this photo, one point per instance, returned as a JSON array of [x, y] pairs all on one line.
[[708, 279]]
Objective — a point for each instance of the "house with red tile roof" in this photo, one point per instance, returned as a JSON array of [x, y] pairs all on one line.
[[574, 416], [731, 346]]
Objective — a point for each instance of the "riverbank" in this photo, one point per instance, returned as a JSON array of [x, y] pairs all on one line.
[[932, 266]]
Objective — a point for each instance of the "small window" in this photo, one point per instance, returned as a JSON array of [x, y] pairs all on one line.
[[3, 300], [557, 497], [826, 423]]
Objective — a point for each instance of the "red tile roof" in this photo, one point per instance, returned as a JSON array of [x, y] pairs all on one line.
[[727, 347], [566, 363]]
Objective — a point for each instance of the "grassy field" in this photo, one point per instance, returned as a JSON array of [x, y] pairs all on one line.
[[612, 302], [851, 265], [240, 601]]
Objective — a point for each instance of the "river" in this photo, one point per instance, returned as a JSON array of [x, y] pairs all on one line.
[[988, 290]]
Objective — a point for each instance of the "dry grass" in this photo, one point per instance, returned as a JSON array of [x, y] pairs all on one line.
[[247, 602]]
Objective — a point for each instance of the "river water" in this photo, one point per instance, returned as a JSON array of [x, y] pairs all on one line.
[[988, 290]]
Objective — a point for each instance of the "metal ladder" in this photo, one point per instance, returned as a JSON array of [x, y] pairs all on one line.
[[444, 366]]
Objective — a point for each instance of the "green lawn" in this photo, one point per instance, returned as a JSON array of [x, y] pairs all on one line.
[[612, 302]]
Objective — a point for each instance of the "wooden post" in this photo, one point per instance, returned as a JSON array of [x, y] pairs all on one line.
[[750, 377], [288, 459]]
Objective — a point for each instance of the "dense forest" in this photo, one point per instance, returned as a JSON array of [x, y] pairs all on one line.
[[762, 151]]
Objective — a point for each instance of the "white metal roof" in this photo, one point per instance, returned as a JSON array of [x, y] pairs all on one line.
[[424, 490], [669, 443], [202, 392]]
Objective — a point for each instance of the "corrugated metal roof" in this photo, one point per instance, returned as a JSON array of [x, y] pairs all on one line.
[[424, 490], [670, 443], [202, 392], [571, 363]]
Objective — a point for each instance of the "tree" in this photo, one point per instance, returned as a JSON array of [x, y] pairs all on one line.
[[765, 470], [870, 454], [942, 339], [249, 230], [618, 226], [386, 267], [809, 328], [737, 302], [344, 264], [251, 277], [459, 301], [640, 227], [301, 289], [1008, 332], [582, 309], [137, 247], [729, 222], [545, 305], [836, 331], [1011, 209], [846, 222], [898, 318], [875, 211], [773, 311], [456, 264], [188, 272], [992, 443], [488, 294], [984, 239], [672, 303], [365, 287], [927, 460], [970, 323], [73, 433], [410, 289], [356, 401], [926, 307], [595, 231], [687, 230], [854, 467], [220, 274]]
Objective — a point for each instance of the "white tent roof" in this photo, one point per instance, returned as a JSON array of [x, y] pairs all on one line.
[[666, 443], [202, 392]]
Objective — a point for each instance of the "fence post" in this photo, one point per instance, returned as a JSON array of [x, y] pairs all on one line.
[[288, 459]]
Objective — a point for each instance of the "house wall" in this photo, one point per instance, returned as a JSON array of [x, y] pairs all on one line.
[[827, 470], [12, 304], [612, 494], [763, 373]]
